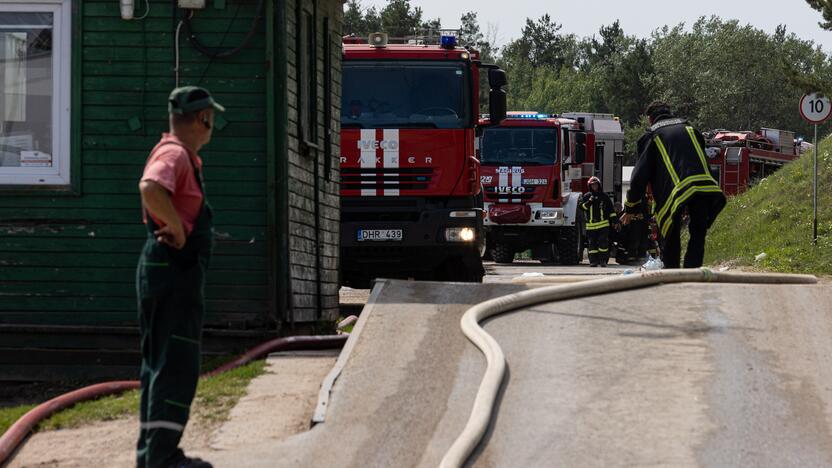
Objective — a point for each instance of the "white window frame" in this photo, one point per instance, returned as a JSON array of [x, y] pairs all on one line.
[[59, 173]]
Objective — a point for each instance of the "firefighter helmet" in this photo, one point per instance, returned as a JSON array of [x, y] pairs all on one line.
[[594, 180]]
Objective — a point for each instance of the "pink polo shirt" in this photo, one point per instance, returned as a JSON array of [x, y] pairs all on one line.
[[170, 167]]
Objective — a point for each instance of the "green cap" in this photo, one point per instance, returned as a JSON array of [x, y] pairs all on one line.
[[186, 99]]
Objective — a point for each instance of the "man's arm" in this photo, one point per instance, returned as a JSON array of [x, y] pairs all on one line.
[[157, 200]]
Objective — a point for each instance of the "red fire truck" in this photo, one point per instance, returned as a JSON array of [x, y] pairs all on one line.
[[738, 159], [534, 169], [411, 205]]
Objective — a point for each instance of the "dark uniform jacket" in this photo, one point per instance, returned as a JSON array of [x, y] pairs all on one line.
[[598, 210], [672, 160]]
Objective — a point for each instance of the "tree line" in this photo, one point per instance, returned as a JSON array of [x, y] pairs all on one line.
[[718, 73]]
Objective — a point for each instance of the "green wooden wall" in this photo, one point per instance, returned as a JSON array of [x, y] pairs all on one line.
[[70, 259]]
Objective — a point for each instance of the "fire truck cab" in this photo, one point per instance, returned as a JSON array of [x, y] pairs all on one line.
[[739, 159], [411, 205], [535, 167]]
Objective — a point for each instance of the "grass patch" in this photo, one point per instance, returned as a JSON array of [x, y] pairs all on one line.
[[215, 397], [11, 414], [775, 218]]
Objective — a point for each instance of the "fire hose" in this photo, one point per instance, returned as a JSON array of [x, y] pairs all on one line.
[[16, 434], [486, 397]]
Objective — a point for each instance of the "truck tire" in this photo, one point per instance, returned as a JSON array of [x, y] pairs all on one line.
[[571, 245], [503, 253]]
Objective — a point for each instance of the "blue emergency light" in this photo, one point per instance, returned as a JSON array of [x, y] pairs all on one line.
[[534, 115], [448, 42], [447, 38]]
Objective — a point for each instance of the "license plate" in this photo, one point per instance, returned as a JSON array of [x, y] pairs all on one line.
[[379, 235]]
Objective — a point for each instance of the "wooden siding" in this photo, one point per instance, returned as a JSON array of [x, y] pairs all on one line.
[[313, 260], [70, 260]]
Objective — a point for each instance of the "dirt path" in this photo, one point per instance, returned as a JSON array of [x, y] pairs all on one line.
[[278, 404]]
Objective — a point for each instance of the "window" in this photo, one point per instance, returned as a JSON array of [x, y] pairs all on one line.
[[34, 102], [520, 146], [405, 94]]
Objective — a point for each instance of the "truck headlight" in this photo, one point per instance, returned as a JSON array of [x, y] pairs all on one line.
[[550, 214], [460, 234]]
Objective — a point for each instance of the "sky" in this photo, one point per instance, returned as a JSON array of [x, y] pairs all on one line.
[[638, 17]]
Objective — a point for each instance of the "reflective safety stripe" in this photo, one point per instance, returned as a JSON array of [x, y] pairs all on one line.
[[185, 339], [597, 225], [170, 425], [666, 158], [695, 189], [593, 251], [698, 149], [603, 250], [663, 212], [176, 403], [630, 204]]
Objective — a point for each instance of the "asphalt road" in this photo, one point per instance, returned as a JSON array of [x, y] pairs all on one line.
[[677, 375]]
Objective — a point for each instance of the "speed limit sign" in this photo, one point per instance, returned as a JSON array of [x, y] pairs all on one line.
[[815, 109]]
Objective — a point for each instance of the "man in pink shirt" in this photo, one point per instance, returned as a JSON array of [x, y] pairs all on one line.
[[170, 278]]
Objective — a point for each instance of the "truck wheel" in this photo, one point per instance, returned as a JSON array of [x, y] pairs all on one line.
[[571, 245], [503, 253]]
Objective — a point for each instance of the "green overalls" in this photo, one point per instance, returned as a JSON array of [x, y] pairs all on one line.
[[170, 287]]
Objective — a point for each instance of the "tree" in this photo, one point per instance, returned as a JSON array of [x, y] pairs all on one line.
[[399, 19], [360, 21], [354, 18], [825, 7]]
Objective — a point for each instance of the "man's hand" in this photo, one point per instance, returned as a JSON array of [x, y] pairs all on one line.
[[625, 219], [172, 236], [157, 200]]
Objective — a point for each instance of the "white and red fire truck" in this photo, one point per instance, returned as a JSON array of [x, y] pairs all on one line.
[[739, 159], [411, 205], [534, 169]]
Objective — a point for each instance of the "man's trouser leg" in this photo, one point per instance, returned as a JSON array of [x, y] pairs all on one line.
[[699, 221], [671, 245], [592, 241], [171, 333], [603, 245]]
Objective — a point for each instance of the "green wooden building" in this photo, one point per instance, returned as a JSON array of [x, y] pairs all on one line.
[[83, 102]]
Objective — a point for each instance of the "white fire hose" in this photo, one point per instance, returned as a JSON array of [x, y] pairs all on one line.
[[482, 411]]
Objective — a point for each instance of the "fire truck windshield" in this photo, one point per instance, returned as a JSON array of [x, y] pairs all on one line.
[[385, 94], [519, 146]]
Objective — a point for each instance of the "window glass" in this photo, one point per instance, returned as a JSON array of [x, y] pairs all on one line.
[[26, 101], [526, 146], [405, 94], [34, 102]]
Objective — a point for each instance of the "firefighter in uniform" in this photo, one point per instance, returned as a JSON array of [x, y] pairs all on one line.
[[672, 160], [170, 278], [598, 215]]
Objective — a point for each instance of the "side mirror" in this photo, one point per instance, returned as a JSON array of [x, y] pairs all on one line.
[[580, 148], [497, 105], [497, 78]]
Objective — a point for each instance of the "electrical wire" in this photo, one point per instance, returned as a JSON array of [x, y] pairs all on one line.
[[176, 65], [216, 54], [146, 11]]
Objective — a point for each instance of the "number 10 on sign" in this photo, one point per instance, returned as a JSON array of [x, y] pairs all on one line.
[[815, 109]]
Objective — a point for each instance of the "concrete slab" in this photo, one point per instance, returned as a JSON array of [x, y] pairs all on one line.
[[678, 375]]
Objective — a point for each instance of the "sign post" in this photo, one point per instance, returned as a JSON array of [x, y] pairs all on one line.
[[816, 110]]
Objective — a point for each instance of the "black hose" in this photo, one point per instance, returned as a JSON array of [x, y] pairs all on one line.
[[217, 54]]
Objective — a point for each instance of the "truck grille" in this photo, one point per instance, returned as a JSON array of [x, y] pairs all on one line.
[[491, 193], [379, 178]]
